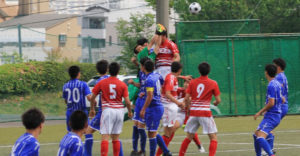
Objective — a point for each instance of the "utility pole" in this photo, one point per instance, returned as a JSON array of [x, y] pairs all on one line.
[[162, 13], [20, 40]]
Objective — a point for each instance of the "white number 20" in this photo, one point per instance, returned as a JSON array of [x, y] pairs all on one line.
[[200, 89], [76, 96], [112, 90]]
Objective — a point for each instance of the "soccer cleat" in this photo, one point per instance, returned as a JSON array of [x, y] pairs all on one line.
[[134, 153], [167, 154], [141, 153], [201, 149], [263, 153]]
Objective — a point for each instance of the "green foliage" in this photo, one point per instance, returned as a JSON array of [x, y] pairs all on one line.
[[276, 15], [129, 32], [13, 58], [30, 77]]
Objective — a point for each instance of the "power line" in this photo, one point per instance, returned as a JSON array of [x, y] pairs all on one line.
[[8, 6]]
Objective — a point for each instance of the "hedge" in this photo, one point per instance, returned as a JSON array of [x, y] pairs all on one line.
[[16, 79]]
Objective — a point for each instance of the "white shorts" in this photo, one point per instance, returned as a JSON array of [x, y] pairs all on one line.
[[180, 117], [163, 70], [170, 114], [208, 124], [112, 121]]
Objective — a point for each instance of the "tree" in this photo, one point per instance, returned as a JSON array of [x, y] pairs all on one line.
[[140, 25], [275, 15]]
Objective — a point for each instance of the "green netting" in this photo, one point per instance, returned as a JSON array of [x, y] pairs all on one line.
[[237, 64]]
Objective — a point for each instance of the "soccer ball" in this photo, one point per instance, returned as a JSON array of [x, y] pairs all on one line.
[[194, 8]]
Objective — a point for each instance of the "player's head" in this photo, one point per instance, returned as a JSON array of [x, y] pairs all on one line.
[[114, 69], [137, 49], [270, 70], [142, 63], [74, 72], [204, 68], [161, 30], [142, 41], [176, 67], [149, 66], [279, 63], [78, 121], [33, 119], [102, 67]]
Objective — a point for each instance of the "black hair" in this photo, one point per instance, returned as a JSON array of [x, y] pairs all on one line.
[[280, 62], [141, 41], [74, 71], [114, 68], [134, 50], [271, 70], [176, 66], [204, 68], [163, 33], [149, 66], [102, 66], [33, 118], [78, 120], [143, 60]]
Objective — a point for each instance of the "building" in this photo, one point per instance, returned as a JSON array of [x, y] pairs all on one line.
[[27, 7], [7, 10], [43, 36]]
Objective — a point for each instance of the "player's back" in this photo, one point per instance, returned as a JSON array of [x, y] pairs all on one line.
[[74, 92], [201, 90], [154, 82], [26, 145], [281, 78], [101, 78], [273, 91], [142, 80], [166, 53], [70, 145]]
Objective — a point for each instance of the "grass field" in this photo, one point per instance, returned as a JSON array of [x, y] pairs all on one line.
[[234, 137]]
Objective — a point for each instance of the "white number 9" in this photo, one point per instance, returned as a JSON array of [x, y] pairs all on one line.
[[200, 89]]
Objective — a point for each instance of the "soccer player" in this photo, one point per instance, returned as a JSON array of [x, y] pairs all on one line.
[[112, 90], [33, 120], [139, 123], [200, 91], [141, 44], [71, 143], [272, 111], [167, 53], [152, 110]]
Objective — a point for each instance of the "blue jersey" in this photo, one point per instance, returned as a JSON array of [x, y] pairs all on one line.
[[154, 81], [101, 78], [70, 145], [74, 92], [281, 78], [142, 79], [274, 92], [26, 145]]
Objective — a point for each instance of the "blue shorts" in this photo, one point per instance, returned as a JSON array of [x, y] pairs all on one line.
[[284, 110], [138, 107], [153, 116], [95, 122], [269, 123], [68, 115]]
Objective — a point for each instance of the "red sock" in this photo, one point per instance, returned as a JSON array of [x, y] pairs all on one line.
[[116, 147], [167, 141], [104, 148], [184, 146], [196, 139], [213, 147], [171, 137]]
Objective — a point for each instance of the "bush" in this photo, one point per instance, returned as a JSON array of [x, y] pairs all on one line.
[[24, 78]]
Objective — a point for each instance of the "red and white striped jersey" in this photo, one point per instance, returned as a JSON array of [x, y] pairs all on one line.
[[166, 53], [112, 90], [201, 91], [170, 84]]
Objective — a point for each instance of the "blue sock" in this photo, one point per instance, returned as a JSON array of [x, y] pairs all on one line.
[[121, 149], [143, 139], [153, 144], [135, 138], [256, 146], [270, 139], [161, 144], [88, 145], [262, 142]]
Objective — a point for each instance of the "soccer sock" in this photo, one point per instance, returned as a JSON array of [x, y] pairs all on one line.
[[153, 144], [135, 138], [270, 139], [116, 147], [184, 146], [196, 140], [262, 142], [213, 147], [88, 145], [104, 147], [161, 144], [143, 139], [167, 141], [121, 149], [256, 146], [171, 137]]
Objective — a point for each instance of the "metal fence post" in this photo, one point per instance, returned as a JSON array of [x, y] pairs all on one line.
[[90, 49], [20, 40]]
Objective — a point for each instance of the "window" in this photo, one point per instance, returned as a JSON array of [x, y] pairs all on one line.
[[96, 23], [95, 43], [62, 39]]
